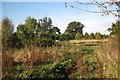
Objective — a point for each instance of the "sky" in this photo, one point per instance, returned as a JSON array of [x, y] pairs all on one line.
[[60, 15]]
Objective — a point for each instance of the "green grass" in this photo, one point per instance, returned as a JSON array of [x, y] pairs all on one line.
[[60, 63]]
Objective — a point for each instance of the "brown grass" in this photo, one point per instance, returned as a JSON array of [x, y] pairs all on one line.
[[91, 41], [79, 63], [107, 56]]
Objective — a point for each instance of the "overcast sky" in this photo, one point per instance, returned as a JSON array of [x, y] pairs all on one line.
[[61, 16]]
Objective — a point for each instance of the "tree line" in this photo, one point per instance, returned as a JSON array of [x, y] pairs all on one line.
[[43, 33]]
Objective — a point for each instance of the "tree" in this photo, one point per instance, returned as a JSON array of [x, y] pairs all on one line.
[[114, 28], [41, 32], [7, 31], [98, 35], [91, 36], [26, 32], [86, 36], [104, 36], [78, 36], [64, 37], [22, 34], [30, 24], [102, 5], [15, 42], [55, 32], [46, 32], [73, 28]]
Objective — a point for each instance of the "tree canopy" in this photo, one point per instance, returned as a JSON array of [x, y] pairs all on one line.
[[7, 31], [114, 28], [41, 32], [74, 28], [91, 36], [98, 35], [86, 36]]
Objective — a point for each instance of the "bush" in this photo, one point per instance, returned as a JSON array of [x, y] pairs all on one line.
[[78, 36]]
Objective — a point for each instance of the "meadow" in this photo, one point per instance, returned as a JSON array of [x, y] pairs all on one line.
[[60, 46], [63, 60]]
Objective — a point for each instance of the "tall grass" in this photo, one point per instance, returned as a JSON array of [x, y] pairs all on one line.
[[78, 61], [107, 56]]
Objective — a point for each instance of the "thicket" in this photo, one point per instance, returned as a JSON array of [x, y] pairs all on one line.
[[43, 33]]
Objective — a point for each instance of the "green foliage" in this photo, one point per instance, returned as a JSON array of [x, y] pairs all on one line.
[[73, 28], [91, 36], [55, 32], [98, 35], [86, 51], [86, 36], [64, 37], [78, 36], [45, 40], [66, 66], [15, 42], [25, 32], [114, 28], [7, 30], [41, 33]]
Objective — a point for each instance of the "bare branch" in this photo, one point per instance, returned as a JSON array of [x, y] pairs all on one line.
[[102, 5]]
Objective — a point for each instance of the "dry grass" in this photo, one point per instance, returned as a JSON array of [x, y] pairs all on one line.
[[107, 56], [37, 55], [79, 63], [91, 41]]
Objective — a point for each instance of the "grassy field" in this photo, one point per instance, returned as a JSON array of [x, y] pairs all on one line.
[[65, 60]]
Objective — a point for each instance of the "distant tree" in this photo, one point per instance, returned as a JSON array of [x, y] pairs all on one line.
[[98, 35], [91, 36], [114, 28], [78, 36], [104, 36], [55, 32], [7, 31], [73, 28], [64, 37], [86, 36]]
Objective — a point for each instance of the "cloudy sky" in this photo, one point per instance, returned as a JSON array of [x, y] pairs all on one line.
[[60, 15]]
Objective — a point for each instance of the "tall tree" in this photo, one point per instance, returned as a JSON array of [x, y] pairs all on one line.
[[73, 28], [86, 36], [22, 34], [45, 31], [91, 36], [98, 35], [104, 36], [7, 31], [39, 32]]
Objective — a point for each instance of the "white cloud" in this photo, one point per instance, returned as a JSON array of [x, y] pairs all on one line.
[[62, 21], [96, 24], [92, 24]]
